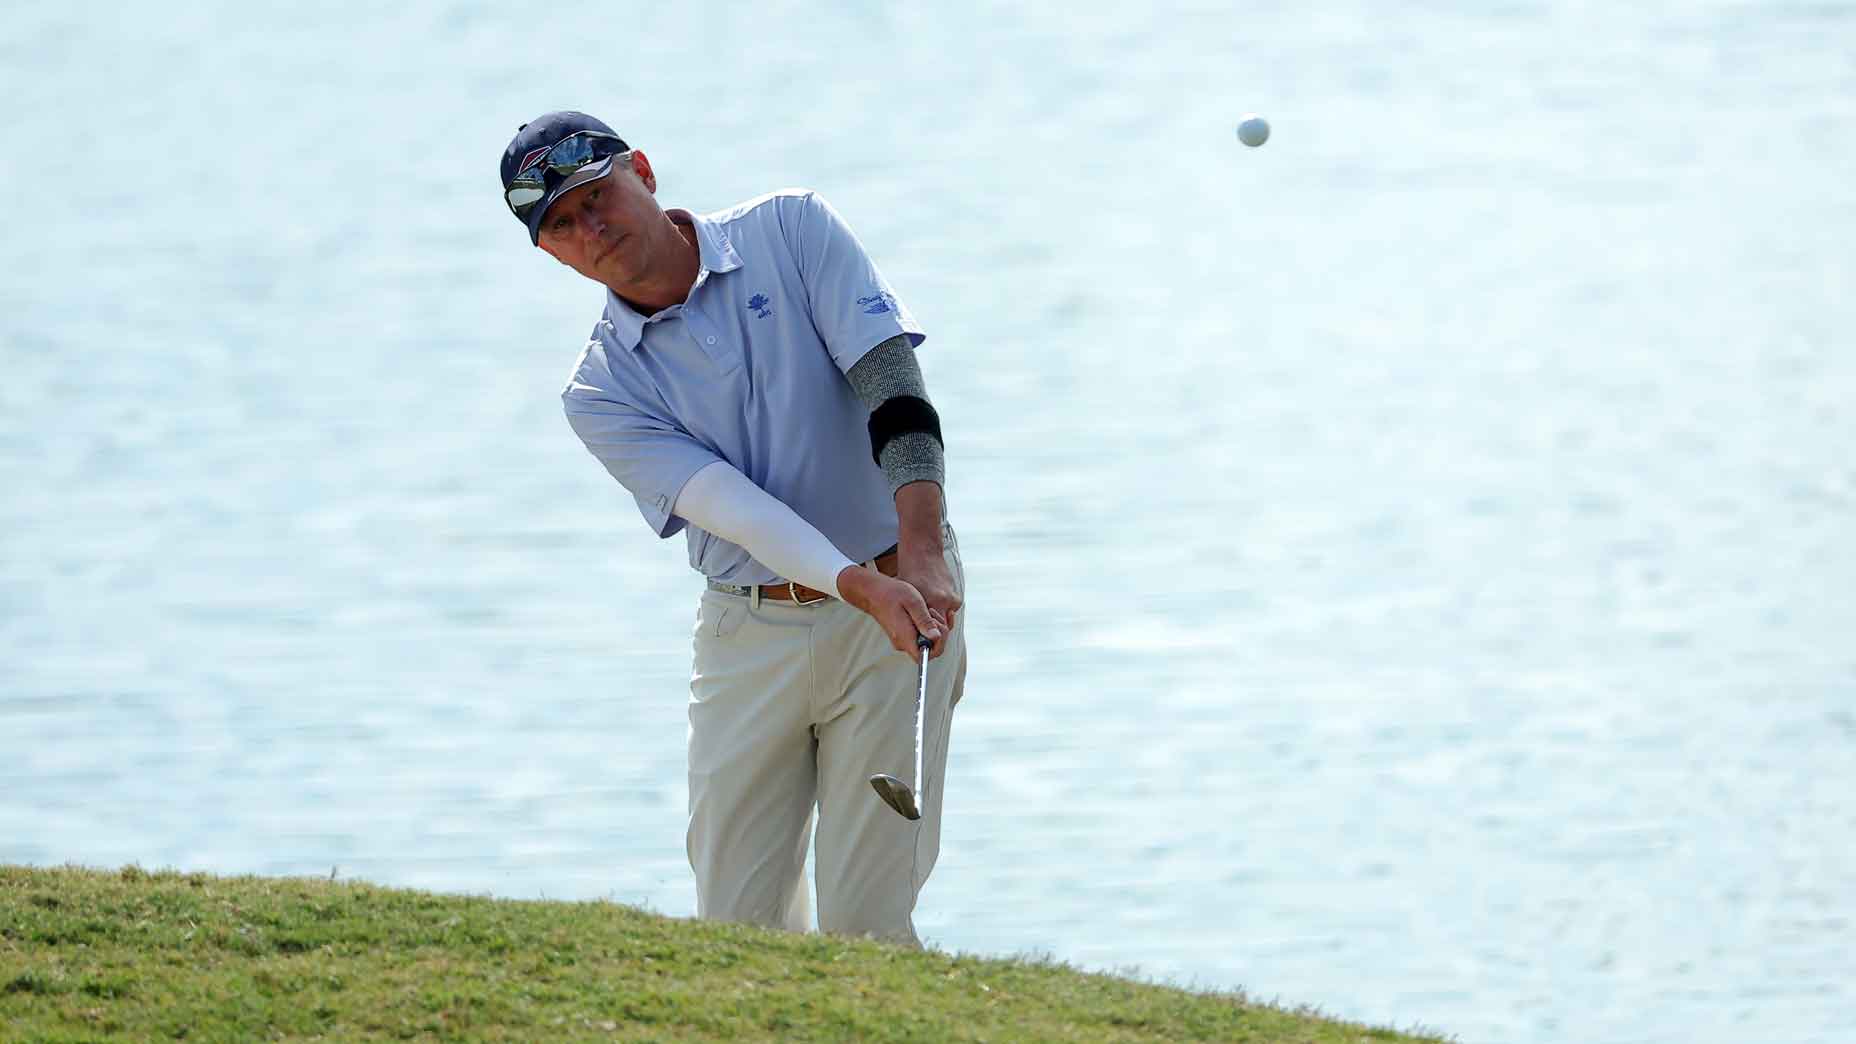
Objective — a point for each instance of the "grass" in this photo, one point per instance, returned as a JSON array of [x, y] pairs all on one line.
[[88, 955]]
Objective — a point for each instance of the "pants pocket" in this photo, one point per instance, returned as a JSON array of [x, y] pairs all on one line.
[[719, 616]]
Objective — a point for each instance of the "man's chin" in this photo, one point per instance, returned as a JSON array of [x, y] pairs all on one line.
[[612, 274]]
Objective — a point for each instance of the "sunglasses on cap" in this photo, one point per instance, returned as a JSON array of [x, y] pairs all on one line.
[[556, 164]]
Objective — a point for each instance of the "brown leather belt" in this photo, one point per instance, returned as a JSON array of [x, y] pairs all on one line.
[[799, 594]]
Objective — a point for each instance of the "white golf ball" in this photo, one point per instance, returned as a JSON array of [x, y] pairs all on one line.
[[1254, 130]]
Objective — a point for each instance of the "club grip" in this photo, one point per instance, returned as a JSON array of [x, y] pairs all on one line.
[[922, 642]]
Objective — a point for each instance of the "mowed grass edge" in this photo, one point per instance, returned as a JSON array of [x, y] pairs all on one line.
[[88, 955]]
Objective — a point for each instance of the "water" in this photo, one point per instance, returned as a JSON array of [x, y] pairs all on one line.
[[1410, 562]]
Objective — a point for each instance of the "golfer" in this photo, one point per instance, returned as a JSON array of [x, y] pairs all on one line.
[[752, 383]]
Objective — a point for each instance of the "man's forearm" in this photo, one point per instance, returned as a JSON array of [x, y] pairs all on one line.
[[920, 510], [911, 460], [723, 501]]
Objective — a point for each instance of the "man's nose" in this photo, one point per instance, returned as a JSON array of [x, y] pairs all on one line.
[[591, 227]]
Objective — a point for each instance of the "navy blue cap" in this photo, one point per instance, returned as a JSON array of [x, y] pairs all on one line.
[[537, 136]]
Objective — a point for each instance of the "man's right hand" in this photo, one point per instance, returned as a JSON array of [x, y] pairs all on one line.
[[895, 605]]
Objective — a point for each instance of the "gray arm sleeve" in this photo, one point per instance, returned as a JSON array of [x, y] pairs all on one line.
[[886, 371]]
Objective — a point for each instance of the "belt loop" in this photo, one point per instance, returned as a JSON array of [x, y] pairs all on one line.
[[754, 598]]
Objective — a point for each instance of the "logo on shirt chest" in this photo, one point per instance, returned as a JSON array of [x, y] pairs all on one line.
[[760, 306]]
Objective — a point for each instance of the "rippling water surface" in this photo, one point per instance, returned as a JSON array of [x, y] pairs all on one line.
[[1411, 562]]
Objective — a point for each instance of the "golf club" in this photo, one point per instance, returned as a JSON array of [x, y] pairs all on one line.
[[900, 796]]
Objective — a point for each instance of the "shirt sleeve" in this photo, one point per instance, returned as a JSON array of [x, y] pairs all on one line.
[[652, 457], [853, 307], [722, 501]]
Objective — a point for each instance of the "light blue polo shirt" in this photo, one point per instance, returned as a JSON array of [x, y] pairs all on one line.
[[749, 370]]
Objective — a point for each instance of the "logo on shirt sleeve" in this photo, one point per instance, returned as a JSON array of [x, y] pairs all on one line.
[[759, 305], [880, 303]]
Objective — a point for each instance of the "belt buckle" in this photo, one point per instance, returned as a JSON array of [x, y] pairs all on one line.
[[792, 590]]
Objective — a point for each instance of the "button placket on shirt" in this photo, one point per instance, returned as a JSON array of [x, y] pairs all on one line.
[[709, 339]]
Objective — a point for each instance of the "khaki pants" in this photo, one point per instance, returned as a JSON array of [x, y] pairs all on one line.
[[792, 710]]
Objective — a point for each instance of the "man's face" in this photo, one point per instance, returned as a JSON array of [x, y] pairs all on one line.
[[611, 230]]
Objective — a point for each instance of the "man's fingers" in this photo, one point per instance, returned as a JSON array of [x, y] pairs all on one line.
[[906, 614], [925, 620], [945, 622], [947, 629], [926, 624]]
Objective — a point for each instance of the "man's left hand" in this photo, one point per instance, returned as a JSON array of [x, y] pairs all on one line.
[[925, 568], [920, 558]]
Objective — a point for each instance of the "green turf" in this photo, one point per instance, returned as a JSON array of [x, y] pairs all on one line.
[[91, 956]]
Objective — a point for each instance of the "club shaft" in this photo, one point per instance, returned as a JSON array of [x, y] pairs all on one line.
[[921, 713]]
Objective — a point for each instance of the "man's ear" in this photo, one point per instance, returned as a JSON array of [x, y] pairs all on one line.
[[641, 166]]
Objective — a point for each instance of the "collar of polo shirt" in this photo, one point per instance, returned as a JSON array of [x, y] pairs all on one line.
[[714, 251]]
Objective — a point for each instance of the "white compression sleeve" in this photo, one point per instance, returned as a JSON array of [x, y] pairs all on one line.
[[723, 501]]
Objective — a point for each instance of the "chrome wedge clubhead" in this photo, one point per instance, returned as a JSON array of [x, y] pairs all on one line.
[[897, 794], [894, 792]]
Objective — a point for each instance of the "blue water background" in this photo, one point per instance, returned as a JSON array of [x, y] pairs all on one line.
[[1411, 563]]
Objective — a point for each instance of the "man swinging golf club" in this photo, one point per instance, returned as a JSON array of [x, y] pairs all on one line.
[[752, 383]]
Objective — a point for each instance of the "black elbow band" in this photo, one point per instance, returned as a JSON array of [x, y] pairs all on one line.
[[901, 416]]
